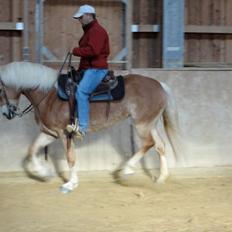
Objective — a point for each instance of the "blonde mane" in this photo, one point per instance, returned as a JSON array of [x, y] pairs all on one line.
[[28, 75]]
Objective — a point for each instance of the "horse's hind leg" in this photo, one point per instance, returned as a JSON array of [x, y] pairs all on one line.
[[147, 143], [152, 139], [41, 141], [160, 148]]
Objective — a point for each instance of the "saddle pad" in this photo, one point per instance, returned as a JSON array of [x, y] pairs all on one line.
[[114, 94]]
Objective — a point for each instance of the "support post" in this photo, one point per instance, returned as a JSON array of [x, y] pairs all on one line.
[[39, 29], [129, 33], [25, 31], [173, 33]]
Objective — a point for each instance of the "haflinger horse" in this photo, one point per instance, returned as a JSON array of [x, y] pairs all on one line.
[[146, 101]]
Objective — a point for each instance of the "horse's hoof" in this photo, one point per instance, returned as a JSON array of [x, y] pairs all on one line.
[[44, 174], [46, 178], [127, 171], [68, 187], [161, 179], [65, 190]]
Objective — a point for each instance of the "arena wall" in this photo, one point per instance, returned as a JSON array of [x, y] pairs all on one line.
[[204, 104]]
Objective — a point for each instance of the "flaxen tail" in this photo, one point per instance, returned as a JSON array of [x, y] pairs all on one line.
[[171, 125]]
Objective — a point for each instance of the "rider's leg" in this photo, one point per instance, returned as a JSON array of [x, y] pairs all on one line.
[[92, 78]]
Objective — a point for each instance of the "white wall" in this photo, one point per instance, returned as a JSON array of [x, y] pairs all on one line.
[[204, 104]]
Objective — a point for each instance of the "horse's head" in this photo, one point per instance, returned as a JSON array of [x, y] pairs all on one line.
[[9, 98], [18, 77]]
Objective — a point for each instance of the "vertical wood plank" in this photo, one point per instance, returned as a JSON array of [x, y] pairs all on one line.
[[5, 36]]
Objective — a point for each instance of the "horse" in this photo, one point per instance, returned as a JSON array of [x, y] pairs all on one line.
[[146, 101]]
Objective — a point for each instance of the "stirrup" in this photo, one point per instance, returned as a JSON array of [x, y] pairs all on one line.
[[80, 134], [72, 127]]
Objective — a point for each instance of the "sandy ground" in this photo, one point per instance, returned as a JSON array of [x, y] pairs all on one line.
[[185, 203]]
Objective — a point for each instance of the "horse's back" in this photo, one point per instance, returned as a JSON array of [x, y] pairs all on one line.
[[143, 81], [143, 84]]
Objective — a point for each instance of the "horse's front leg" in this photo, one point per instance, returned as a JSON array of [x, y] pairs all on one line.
[[38, 168], [71, 158]]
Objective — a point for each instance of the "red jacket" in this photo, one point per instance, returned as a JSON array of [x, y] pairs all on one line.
[[93, 47]]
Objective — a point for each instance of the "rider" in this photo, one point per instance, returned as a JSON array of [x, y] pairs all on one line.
[[93, 50]]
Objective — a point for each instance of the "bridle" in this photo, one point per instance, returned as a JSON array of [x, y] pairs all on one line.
[[13, 110]]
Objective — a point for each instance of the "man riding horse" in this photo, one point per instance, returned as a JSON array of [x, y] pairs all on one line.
[[149, 103], [93, 50]]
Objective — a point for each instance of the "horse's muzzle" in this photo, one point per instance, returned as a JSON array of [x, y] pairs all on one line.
[[9, 111], [9, 116]]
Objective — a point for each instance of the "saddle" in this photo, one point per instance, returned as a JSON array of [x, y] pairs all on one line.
[[110, 89]]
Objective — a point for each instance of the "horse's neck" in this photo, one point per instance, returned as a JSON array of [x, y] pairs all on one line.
[[37, 97]]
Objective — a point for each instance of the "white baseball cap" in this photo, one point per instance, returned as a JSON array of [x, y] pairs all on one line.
[[84, 9]]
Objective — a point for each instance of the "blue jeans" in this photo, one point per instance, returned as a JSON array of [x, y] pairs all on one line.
[[91, 79]]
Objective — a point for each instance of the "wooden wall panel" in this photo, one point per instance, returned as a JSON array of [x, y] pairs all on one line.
[[147, 47], [203, 48], [5, 42], [10, 41], [62, 32]]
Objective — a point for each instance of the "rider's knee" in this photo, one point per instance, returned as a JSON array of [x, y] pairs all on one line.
[[80, 93]]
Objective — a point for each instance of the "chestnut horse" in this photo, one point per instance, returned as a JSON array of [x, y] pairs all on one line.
[[146, 101]]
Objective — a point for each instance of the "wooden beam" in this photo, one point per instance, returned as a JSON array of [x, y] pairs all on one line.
[[9, 26], [208, 29]]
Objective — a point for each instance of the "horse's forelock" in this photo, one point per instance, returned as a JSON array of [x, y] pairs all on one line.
[[28, 75]]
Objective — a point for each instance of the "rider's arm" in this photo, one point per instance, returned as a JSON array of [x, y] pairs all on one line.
[[96, 41]]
